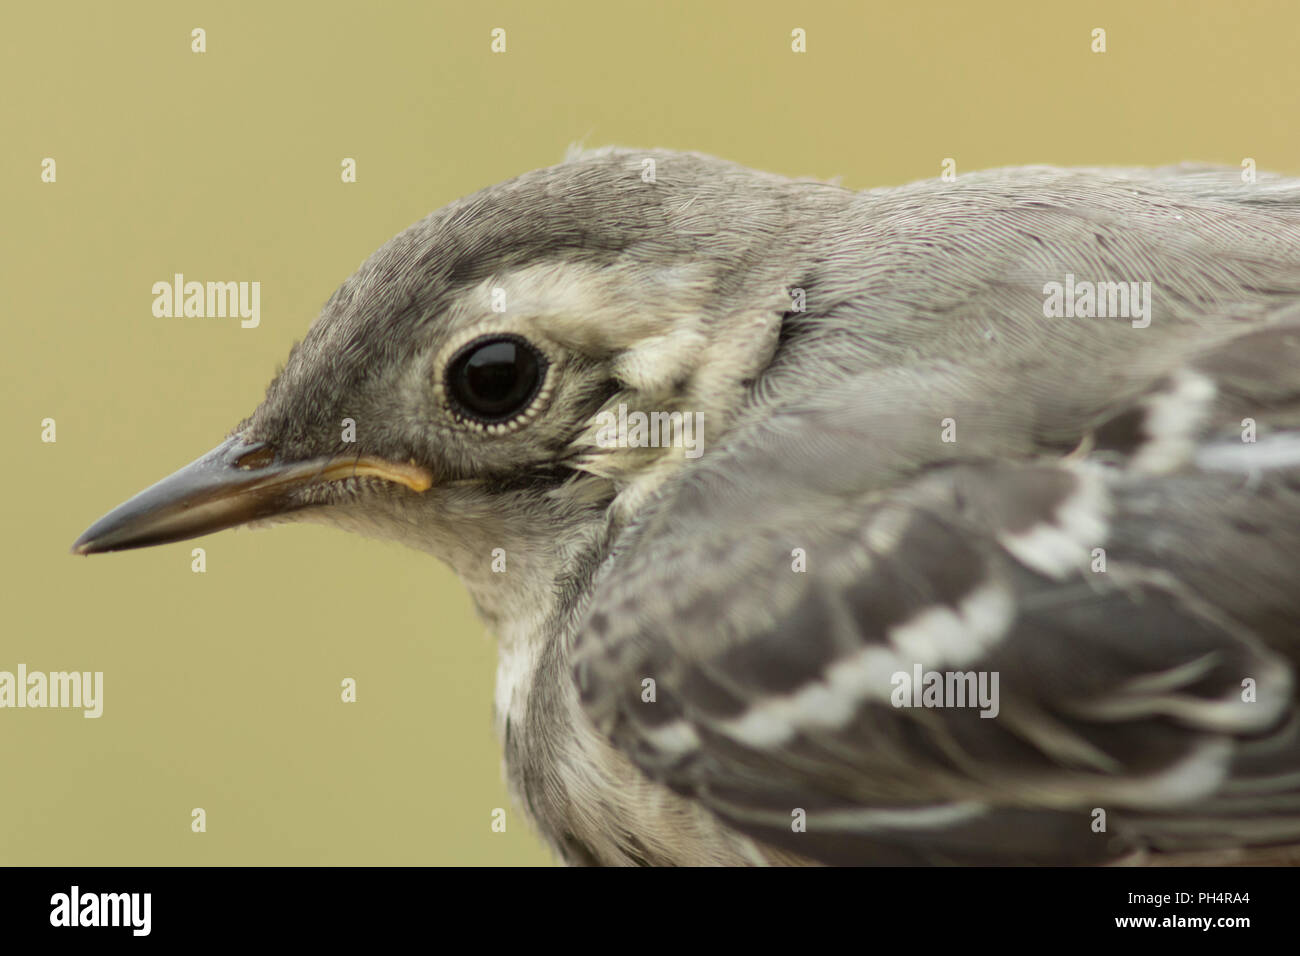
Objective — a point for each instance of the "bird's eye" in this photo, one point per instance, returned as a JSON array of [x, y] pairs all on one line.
[[494, 378]]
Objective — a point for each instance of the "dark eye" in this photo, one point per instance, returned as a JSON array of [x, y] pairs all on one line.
[[492, 379]]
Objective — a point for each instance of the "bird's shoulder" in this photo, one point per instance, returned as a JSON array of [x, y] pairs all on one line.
[[784, 632]]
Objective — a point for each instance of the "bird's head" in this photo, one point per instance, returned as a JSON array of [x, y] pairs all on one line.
[[456, 392]]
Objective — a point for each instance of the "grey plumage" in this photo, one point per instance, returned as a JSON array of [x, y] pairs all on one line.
[[1121, 690]]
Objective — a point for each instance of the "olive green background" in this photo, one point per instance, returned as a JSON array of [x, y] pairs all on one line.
[[222, 689]]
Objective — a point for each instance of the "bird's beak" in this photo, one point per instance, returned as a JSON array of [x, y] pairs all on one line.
[[235, 483]]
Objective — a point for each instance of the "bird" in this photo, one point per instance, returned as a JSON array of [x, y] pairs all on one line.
[[1031, 431]]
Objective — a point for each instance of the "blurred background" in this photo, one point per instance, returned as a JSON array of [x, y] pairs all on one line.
[[222, 689]]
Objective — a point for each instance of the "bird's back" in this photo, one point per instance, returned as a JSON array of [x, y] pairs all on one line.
[[937, 475]]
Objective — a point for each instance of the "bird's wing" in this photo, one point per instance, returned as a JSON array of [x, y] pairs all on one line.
[[1124, 624]]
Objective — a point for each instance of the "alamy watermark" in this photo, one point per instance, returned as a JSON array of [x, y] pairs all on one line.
[[944, 689], [178, 298], [130, 910], [1084, 299], [84, 689], [638, 429]]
